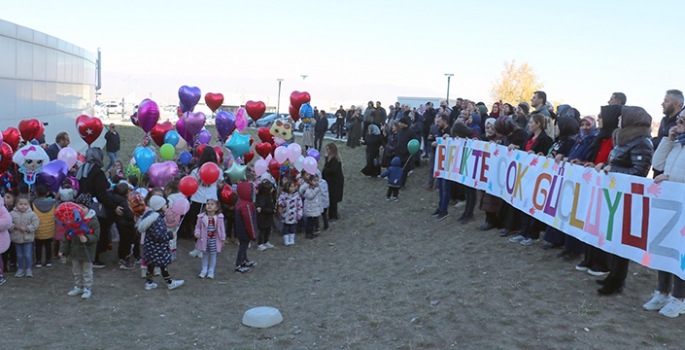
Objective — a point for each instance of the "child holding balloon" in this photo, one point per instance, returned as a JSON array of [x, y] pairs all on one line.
[[80, 245]]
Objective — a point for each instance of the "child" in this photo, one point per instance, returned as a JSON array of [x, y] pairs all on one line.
[[44, 207], [211, 235], [5, 224], [9, 257], [265, 214], [394, 175], [172, 193], [290, 208], [66, 193], [311, 192], [245, 225], [126, 227], [23, 232], [140, 236], [156, 246], [81, 248]]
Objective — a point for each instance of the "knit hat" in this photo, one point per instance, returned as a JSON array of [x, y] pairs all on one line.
[[525, 107], [85, 199], [157, 202]]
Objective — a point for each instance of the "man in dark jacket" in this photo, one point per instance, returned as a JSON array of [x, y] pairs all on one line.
[[404, 135], [339, 122], [320, 129], [61, 141], [380, 115], [672, 106], [427, 120], [368, 117], [113, 145]]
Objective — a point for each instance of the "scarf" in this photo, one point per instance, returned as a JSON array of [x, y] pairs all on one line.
[[374, 130], [93, 161], [681, 138]]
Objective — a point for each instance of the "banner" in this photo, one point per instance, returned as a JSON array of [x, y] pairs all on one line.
[[629, 216]]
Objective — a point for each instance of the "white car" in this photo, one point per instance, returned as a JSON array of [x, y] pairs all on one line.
[[113, 108]]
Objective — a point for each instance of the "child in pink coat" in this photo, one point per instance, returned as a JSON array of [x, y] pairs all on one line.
[[211, 235], [5, 224]]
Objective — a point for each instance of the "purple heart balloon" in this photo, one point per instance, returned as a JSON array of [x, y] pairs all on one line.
[[194, 122], [53, 174], [314, 154], [183, 131], [161, 173], [188, 96], [204, 137], [225, 123], [148, 114]]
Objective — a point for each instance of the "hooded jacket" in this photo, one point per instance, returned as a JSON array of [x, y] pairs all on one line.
[[201, 232], [312, 200], [394, 173], [28, 219], [245, 213], [157, 237], [75, 249], [632, 152]]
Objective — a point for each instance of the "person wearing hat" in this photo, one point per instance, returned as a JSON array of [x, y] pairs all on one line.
[[81, 248], [156, 246]]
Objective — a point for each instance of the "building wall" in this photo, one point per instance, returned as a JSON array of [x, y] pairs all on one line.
[[44, 78]]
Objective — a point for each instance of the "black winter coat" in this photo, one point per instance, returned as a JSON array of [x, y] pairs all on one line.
[[632, 152], [542, 144], [96, 184], [403, 138], [265, 217], [333, 174]]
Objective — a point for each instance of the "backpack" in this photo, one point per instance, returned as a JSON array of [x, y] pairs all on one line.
[[137, 203]]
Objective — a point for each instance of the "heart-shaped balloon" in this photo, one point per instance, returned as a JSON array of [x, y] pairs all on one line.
[[183, 132], [275, 168], [89, 128], [194, 122], [255, 109], [227, 195], [161, 173], [6, 154], [298, 98], [11, 137], [144, 158], [189, 96], [148, 114], [219, 153], [294, 113], [159, 131], [263, 149], [265, 135], [134, 120], [214, 101], [53, 174], [247, 157], [241, 119], [225, 123], [31, 129]]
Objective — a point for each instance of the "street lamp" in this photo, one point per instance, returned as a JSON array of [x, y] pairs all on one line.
[[448, 75], [278, 109], [304, 76]]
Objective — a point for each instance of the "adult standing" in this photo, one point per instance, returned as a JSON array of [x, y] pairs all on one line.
[[93, 180], [672, 106], [368, 117], [631, 155], [427, 120], [339, 122], [333, 174], [379, 115], [320, 128], [373, 141], [61, 141], [354, 131], [308, 133], [618, 98], [539, 102], [404, 135], [113, 145]]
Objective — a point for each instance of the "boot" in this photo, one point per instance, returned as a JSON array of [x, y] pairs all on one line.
[[611, 286], [292, 239]]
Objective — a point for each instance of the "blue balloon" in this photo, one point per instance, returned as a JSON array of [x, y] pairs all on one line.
[[185, 158], [144, 158], [171, 137], [238, 144], [306, 111]]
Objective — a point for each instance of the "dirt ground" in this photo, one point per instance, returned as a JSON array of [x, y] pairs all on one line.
[[385, 276]]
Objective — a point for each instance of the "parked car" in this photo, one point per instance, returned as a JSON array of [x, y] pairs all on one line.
[[170, 108], [299, 126], [267, 120], [113, 108]]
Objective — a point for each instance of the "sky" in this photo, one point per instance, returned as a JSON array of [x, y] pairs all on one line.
[[355, 51]]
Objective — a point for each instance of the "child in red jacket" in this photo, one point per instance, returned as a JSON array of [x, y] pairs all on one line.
[[245, 225]]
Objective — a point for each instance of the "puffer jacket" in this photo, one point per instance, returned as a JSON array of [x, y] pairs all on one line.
[[632, 152], [394, 173], [245, 213], [5, 224], [670, 158], [157, 237], [290, 207], [45, 209], [312, 200], [325, 200], [28, 219], [77, 251]]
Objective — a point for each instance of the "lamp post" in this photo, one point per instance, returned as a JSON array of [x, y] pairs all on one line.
[[448, 75], [304, 76], [278, 109]]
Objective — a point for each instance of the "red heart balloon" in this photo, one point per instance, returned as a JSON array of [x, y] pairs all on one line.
[[227, 195], [297, 99], [219, 153], [264, 135], [89, 128], [159, 131], [11, 137], [255, 109], [31, 129], [274, 168], [294, 113], [251, 140], [6, 154], [263, 149], [247, 157], [199, 150], [214, 101]]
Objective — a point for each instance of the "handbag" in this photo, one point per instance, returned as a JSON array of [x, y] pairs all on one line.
[[99, 209]]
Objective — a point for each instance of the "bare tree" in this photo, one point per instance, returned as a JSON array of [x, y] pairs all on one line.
[[516, 84]]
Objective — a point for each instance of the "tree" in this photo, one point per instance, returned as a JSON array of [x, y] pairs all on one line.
[[516, 84]]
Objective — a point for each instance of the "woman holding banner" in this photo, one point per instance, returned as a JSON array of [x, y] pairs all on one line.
[[509, 216], [670, 159], [631, 155]]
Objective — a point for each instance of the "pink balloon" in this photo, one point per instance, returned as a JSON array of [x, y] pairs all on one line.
[[281, 154], [161, 173], [68, 155], [180, 206], [260, 167], [310, 165], [193, 122], [241, 119], [294, 152], [148, 114]]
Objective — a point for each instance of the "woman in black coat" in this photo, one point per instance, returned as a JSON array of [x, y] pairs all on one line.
[[333, 174], [92, 180], [373, 141]]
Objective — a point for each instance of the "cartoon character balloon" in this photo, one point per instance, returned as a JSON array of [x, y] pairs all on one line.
[[307, 115], [281, 131], [30, 160], [71, 219]]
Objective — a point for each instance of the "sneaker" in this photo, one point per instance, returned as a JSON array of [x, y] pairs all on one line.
[[268, 245], [242, 269], [86, 293], [210, 275], [529, 241], [673, 309], [48, 264], [74, 292], [516, 239], [175, 284], [98, 265], [250, 264], [394, 199], [387, 199], [443, 215], [597, 273], [150, 285], [195, 253], [202, 274], [29, 273], [127, 266], [138, 260], [460, 204], [582, 266], [436, 212], [2, 280], [262, 248], [37, 264], [657, 302]]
